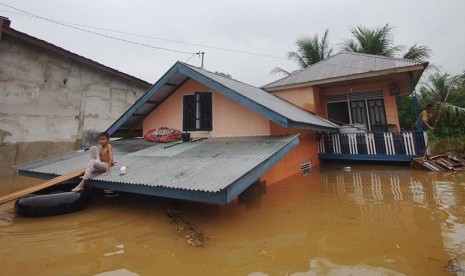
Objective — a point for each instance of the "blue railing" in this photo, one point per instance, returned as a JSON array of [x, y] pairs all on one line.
[[383, 146]]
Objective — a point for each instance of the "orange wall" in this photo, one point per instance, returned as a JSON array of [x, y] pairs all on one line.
[[229, 118], [312, 98], [301, 96], [305, 151]]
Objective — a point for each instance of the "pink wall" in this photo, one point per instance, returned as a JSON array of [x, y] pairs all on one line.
[[229, 118]]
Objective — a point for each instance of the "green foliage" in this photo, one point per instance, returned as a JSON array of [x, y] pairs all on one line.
[[448, 96], [309, 51], [417, 52], [375, 41], [378, 41], [406, 112]]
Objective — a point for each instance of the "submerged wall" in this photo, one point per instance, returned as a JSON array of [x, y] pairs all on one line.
[[48, 103]]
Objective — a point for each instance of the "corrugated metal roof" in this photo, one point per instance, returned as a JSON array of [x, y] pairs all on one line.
[[260, 96], [260, 101], [210, 165], [342, 65]]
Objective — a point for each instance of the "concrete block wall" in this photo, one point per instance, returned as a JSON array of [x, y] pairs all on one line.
[[48, 102]]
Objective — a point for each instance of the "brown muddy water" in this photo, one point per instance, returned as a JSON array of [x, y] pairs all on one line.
[[372, 220]]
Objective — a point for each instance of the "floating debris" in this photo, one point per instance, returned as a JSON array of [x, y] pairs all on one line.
[[185, 229], [446, 162]]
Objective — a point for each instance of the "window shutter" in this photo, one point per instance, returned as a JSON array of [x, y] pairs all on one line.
[[188, 113], [205, 111]]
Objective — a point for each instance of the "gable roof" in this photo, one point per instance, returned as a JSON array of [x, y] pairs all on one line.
[[5, 29], [346, 66], [269, 106]]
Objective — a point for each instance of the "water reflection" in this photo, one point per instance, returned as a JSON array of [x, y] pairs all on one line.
[[383, 196], [363, 187], [369, 221]]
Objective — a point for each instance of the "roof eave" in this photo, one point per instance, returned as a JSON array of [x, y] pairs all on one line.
[[307, 126], [229, 93], [141, 101], [418, 67], [68, 54]]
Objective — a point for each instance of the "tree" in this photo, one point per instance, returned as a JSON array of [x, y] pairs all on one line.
[[448, 95], [380, 41], [309, 51]]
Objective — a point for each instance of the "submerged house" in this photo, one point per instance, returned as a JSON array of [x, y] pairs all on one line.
[[241, 133], [251, 135], [52, 99], [358, 91]]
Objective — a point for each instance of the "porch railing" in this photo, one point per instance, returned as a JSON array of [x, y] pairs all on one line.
[[384, 146]]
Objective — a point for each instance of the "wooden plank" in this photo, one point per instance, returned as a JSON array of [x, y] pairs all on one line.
[[51, 182]]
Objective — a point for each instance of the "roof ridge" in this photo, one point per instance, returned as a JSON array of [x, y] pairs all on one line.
[[208, 71], [77, 57], [383, 57], [354, 63]]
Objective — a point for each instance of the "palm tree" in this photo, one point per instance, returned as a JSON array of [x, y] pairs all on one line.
[[309, 51], [379, 41], [448, 94], [437, 88]]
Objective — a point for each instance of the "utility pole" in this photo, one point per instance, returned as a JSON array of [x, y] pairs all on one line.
[[202, 54]]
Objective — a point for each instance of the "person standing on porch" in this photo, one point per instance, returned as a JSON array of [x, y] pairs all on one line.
[[422, 122]]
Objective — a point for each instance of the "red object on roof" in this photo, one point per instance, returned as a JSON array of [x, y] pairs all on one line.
[[163, 135], [6, 30]]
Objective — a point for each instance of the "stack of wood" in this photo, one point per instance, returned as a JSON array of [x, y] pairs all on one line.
[[445, 162]]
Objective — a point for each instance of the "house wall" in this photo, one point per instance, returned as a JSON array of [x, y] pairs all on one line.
[[301, 96], [312, 98], [229, 118], [305, 151], [48, 103]]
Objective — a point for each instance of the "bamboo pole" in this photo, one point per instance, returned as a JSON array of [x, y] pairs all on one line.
[[38, 187]]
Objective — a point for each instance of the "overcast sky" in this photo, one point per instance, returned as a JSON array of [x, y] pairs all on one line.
[[265, 27]]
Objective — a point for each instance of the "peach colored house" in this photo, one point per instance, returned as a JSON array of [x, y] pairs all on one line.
[[358, 92], [235, 109]]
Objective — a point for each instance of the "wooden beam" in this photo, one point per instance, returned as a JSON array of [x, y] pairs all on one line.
[[51, 182]]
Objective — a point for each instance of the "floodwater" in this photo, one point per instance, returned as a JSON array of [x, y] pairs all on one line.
[[372, 220]]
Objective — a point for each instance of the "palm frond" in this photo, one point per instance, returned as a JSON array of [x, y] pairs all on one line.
[[280, 71], [454, 111], [377, 41], [298, 58], [418, 52]]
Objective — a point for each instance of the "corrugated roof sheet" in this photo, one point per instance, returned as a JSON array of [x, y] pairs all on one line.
[[260, 101], [341, 65], [260, 96], [209, 165]]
